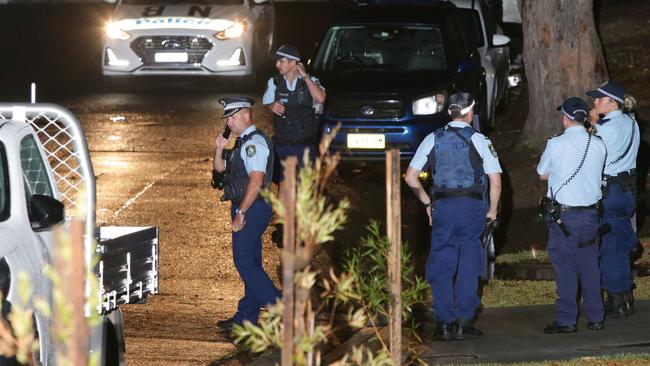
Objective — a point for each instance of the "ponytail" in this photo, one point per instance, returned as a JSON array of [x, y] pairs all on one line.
[[629, 104]]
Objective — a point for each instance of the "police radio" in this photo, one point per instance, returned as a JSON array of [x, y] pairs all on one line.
[[217, 181]]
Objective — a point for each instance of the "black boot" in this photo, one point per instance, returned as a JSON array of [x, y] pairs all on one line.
[[464, 329], [628, 302], [443, 331], [615, 306], [276, 236]]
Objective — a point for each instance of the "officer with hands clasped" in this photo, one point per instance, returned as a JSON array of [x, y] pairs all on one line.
[[465, 190], [620, 133], [247, 172], [572, 163]]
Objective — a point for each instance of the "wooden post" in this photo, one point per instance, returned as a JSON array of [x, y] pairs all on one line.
[[393, 227], [288, 259], [72, 270]]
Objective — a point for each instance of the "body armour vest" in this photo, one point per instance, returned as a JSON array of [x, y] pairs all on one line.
[[457, 168], [235, 175], [299, 125]]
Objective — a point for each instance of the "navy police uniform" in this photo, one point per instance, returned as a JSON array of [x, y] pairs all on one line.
[[459, 159], [298, 128], [620, 133], [252, 152], [573, 163]]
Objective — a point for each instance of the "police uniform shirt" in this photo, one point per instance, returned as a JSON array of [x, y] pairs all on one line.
[[560, 160], [616, 131], [269, 94], [482, 144], [254, 152]]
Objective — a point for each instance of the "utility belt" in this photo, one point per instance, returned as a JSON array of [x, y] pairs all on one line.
[[551, 211], [451, 194], [626, 181]]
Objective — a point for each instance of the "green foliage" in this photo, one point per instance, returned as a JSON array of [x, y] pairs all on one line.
[[364, 357], [524, 256], [368, 264]]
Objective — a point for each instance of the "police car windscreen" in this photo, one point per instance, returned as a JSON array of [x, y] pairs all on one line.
[[163, 2], [394, 47]]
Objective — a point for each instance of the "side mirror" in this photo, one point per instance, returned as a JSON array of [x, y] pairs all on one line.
[[45, 212], [466, 65], [499, 40]]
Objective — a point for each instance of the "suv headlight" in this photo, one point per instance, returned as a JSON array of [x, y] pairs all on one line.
[[428, 105], [234, 31], [113, 31]]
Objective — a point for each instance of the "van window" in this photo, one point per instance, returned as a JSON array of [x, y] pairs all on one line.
[[34, 169], [4, 184]]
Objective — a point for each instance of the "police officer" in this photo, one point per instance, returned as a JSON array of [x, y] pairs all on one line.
[[248, 171], [620, 132], [461, 161], [572, 163], [294, 98]]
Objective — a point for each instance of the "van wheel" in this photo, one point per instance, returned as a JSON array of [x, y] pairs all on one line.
[[113, 355]]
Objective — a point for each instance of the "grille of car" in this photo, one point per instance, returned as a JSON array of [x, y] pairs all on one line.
[[147, 47], [381, 109]]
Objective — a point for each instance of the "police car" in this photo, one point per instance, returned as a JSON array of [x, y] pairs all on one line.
[[193, 37], [389, 67]]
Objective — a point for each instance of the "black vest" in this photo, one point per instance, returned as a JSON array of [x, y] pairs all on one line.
[[457, 168], [299, 125], [235, 175]]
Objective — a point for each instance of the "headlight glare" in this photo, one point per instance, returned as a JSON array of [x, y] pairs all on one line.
[[234, 31], [113, 31], [428, 105]]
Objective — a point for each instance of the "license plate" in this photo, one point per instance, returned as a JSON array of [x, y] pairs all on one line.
[[171, 57], [366, 141]]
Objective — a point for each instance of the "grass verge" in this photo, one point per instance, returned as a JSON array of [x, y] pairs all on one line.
[[621, 359]]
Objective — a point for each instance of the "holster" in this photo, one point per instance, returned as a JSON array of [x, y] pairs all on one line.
[[547, 208]]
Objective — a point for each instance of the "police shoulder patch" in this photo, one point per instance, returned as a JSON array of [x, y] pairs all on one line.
[[250, 151], [492, 150]]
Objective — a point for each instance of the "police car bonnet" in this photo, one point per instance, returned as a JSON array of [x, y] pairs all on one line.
[[232, 105]]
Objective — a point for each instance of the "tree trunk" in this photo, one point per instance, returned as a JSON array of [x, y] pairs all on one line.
[[563, 57]]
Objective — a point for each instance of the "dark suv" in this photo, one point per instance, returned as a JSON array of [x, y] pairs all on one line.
[[389, 68]]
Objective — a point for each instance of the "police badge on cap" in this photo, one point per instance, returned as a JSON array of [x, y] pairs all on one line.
[[232, 105]]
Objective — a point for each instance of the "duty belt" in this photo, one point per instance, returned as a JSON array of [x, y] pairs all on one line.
[[566, 208], [621, 176], [473, 195]]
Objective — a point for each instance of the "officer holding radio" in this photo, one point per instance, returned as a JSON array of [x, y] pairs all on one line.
[[572, 163], [620, 133], [248, 171], [295, 98], [464, 193]]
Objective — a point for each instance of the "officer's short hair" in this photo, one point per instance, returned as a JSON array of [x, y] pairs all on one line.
[[460, 104]]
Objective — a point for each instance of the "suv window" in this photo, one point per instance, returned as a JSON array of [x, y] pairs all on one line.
[[4, 184], [395, 47], [34, 169], [490, 21]]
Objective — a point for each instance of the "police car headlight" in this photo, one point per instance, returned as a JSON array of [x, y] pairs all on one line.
[[428, 105], [234, 31], [113, 31]]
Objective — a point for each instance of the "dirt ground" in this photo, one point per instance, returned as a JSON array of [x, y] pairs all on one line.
[[177, 327]]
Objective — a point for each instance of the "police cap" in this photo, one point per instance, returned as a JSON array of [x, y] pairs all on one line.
[[610, 89], [460, 104], [287, 51], [232, 105], [575, 109]]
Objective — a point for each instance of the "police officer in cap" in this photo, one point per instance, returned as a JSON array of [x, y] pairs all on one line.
[[248, 171], [620, 132], [465, 190], [294, 97], [572, 163]]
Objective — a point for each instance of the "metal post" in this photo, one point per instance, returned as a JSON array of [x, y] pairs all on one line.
[[289, 260], [393, 227]]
